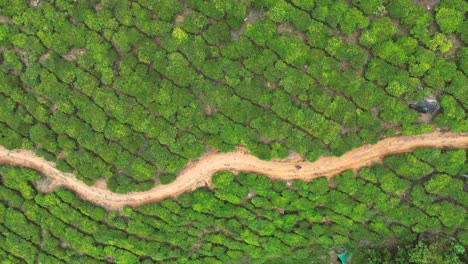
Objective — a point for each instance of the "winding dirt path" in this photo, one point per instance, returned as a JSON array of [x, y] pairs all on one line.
[[198, 173]]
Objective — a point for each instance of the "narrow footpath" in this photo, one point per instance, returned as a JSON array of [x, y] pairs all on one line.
[[198, 173]]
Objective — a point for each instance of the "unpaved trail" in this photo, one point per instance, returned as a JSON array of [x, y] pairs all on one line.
[[198, 173]]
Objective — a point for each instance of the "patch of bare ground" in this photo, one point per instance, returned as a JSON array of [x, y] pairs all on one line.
[[392, 127], [433, 28], [253, 15], [73, 54], [332, 258], [360, 72], [353, 37], [400, 29], [345, 65], [456, 44], [425, 118], [45, 185], [198, 173], [44, 57], [329, 91], [180, 18], [375, 111], [158, 40], [427, 4], [292, 157], [98, 7], [264, 140], [290, 29], [23, 56], [62, 155], [5, 20], [270, 85], [35, 3], [344, 131], [209, 110], [101, 184], [286, 28]]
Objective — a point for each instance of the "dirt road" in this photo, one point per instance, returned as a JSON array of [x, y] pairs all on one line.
[[198, 173]]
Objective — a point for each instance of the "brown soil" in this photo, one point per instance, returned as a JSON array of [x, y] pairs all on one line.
[[425, 118], [290, 29], [44, 57], [73, 54], [35, 3], [98, 7], [4, 20], [456, 44], [180, 18], [22, 55], [198, 173], [427, 4], [209, 110], [353, 38]]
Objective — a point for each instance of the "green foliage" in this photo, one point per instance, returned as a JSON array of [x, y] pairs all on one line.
[[369, 7], [194, 22], [437, 250], [391, 183], [391, 52], [216, 33], [449, 19], [291, 49], [440, 42], [448, 161], [43, 136], [449, 214], [11, 61], [381, 29], [454, 116], [222, 179], [260, 32], [444, 185], [408, 166]]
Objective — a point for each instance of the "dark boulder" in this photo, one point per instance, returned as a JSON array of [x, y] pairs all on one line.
[[427, 105]]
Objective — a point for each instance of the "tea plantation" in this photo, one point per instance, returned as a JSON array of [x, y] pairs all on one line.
[[129, 91]]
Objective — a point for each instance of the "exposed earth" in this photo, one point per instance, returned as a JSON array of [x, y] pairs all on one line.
[[198, 173]]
